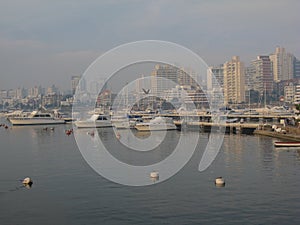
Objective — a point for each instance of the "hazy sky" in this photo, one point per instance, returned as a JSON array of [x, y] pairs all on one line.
[[46, 42]]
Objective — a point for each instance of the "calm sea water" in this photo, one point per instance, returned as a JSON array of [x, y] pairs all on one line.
[[262, 184]]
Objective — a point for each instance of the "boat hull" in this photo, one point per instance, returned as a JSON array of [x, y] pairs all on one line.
[[121, 125], [86, 124], [156, 124], [145, 127]]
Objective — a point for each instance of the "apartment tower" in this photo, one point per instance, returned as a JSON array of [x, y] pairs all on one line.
[[234, 81]]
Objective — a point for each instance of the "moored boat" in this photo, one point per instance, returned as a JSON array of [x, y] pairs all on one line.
[[36, 118], [120, 121], [158, 123], [96, 120], [287, 144]]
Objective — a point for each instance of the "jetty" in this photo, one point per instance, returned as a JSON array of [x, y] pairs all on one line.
[[245, 124], [289, 135]]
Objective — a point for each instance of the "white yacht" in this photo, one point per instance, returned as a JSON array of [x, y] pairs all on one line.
[[36, 118], [134, 121], [96, 120], [281, 111], [158, 123], [120, 121]]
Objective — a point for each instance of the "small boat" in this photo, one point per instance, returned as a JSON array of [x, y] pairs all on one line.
[[235, 120], [158, 123], [96, 120], [287, 144], [134, 121]]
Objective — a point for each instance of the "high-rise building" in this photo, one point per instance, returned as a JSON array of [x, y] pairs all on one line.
[[250, 77], [282, 62], [166, 77], [74, 83], [297, 95], [234, 81], [215, 84], [35, 91], [4, 94], [21, 93], [163, 78], [289, 93], [187, 77], [52, 90], [12, 93], [262, 73], [215, 77], [296, 68]]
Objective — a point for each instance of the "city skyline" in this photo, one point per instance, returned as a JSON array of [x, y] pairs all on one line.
[[48, 42], [147, 70]]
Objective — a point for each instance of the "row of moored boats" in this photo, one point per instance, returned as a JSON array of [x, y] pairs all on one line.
[[124, 122], [96, 120]]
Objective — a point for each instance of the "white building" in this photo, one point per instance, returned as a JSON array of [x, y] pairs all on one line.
[[289, 93], [283, 64], [297, 94], [234, 81]]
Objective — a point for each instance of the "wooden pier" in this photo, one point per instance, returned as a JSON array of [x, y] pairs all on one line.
[[246, 123]]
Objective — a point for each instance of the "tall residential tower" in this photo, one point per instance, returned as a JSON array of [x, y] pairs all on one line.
[[234, 81]]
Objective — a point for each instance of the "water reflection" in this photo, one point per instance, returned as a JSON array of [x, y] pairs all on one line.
[[233, 150]]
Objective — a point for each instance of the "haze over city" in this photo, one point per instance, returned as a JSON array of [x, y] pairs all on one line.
[[47, 42]]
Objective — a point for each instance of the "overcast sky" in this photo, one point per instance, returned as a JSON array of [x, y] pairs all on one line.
[[46, 42]]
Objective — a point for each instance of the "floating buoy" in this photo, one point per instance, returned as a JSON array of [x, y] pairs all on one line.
[[154, 175], [27, 181], [220, 181]]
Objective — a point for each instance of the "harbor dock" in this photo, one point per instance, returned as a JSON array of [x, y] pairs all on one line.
[[284, 136]]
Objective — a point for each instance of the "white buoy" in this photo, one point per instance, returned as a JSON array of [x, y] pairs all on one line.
[[220, 181], [27, 181], [154, 174]]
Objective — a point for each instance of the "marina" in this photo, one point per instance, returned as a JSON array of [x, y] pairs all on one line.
[[150, 113]]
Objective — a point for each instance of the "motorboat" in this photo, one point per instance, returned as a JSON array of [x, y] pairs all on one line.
[[250, 112], [287, 144], [134, 121], [281, 111], [120, 122], [36, 118], [234, 120], [96, 120], [158, 123]]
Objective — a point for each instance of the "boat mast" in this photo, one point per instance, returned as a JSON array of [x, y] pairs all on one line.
[[265, 93], [249, 99]]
